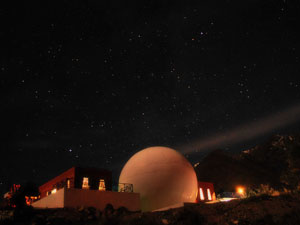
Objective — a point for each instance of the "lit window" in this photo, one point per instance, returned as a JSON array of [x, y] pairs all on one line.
[[209, 195], [68, 183], [54, 191], [85, 183], [102, 185], [201, 194]]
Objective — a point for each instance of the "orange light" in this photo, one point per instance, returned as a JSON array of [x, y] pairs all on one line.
[[102, 185], [240, 190], [53, 191]]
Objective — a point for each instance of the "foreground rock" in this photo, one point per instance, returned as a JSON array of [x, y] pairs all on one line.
[[284, 209]]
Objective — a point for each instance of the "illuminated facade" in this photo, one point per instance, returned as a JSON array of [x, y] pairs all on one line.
[[85, 187], [206, 192], [80, 178]]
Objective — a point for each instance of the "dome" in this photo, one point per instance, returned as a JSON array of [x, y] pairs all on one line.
[[162, 176]]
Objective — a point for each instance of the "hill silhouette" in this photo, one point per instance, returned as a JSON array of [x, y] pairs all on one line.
[[275, 163]]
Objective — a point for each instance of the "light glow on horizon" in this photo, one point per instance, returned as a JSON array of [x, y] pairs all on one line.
[[244, 132], [240, 190]]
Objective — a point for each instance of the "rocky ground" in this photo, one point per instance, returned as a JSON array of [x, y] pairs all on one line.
[[283, 209]]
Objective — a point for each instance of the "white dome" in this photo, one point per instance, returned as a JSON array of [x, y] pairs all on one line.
[[162, 176]]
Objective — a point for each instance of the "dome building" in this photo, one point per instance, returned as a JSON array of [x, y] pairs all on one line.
[[162, 176], [156, 178]]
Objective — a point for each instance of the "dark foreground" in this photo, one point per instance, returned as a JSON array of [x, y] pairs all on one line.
[[284, 209]]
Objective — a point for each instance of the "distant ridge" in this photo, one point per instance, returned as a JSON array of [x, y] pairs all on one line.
[[275, 163]]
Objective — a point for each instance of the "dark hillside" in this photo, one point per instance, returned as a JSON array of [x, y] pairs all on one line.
[[275, 163]]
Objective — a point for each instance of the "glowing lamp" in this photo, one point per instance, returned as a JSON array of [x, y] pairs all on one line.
[[240, 190]]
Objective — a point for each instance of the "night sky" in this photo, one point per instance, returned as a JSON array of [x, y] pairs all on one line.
[[90, 83]]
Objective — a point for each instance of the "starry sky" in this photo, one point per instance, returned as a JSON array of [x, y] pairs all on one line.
[[92, 82]]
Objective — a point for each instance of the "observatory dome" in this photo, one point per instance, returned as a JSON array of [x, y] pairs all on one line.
[[162, 176]]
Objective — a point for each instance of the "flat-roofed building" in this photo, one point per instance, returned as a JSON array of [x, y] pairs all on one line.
[[80, 178], [85, 187]]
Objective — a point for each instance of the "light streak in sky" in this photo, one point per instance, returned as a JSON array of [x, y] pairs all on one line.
[[244, 132]]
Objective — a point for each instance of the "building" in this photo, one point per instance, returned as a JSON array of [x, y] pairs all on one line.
[[228, 196], [91, 187], [206, 192], [80, 178], [165, 179], [86, 187]]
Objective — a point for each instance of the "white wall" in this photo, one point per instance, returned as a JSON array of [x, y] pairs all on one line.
[[99, 199], [51, 201], [81, 197]]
